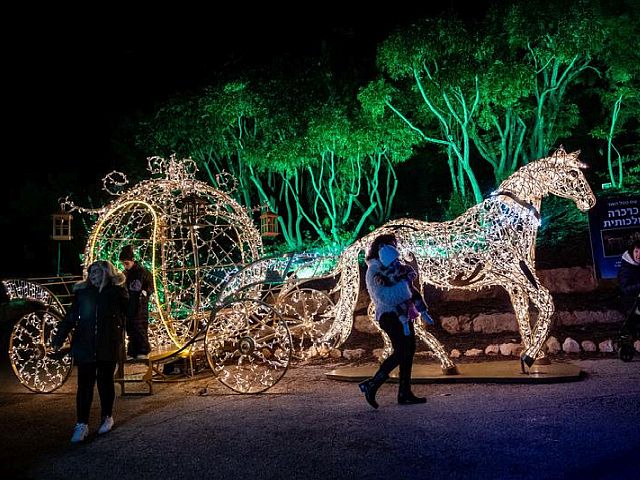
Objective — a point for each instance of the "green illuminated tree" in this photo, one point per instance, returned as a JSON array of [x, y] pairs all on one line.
[[560, 40], [620, 96], [213, 128], [294, 145], [336, 173], [434, 61], [234, 113], [506, 87]]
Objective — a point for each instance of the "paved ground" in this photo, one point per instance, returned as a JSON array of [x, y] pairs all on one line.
[[309, 427]]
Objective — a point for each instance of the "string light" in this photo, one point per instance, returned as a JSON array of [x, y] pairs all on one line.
[[490, 244], [189, 263], [204, 254], [30, 355], [213, 263], [33, 292]]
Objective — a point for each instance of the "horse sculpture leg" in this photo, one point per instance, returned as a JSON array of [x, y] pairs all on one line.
[[349, 288], [543, 302], [520, 302], [447, 365]]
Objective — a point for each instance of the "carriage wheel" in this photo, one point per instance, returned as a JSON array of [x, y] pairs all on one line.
[[248, 345], [309, 316], [36, 365]]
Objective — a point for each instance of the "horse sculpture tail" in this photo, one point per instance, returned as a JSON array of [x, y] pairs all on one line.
[[349, 287]]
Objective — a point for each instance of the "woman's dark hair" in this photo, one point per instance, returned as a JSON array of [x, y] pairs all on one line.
[[385, 239], [635, 244]]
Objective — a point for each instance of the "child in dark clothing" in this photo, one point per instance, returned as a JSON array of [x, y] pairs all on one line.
[[139, 283], [395, 271]]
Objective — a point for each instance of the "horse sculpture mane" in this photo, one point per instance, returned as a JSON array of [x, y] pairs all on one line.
[[492, 243]]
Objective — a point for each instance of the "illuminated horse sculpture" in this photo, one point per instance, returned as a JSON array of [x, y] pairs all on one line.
[[490, 244]]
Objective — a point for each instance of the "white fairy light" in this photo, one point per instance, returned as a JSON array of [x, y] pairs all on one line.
[[195, 240], [212, 263], [32, 292], [189, 262], [490, 244]]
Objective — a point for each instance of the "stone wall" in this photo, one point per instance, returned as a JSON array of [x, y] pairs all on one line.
[[561, 280], [488, 317], [557, 280]]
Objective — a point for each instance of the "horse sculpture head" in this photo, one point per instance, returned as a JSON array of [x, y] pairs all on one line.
[[563, 176]]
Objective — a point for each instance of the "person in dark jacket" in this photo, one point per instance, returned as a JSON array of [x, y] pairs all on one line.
[[96, 318], [140, 286], [387, 298], [629, 276]]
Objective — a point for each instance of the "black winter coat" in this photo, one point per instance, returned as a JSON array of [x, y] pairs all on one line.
[[139, 299], [629, 281], [97, 319]]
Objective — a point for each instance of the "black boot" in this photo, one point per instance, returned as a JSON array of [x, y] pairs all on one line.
[[406, 396], [370, 387]]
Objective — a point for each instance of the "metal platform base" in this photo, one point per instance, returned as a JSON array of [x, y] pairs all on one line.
[[486, 372]]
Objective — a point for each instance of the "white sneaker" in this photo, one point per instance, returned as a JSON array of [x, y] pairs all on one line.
[[106, 426], [142, 356], [80, 432]]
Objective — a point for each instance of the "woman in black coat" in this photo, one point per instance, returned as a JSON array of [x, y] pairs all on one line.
[[97, 318]]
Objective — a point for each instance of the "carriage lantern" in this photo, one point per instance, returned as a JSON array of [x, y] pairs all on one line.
[[269, 224], [61, 226], [61, 231], [193, 209]]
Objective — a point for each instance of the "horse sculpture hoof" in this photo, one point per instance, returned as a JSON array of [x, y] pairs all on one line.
[[526, 359], [453, 370]]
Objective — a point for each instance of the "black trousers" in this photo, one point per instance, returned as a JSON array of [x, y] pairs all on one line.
[[404, 347], [88, 375], [137, 332]]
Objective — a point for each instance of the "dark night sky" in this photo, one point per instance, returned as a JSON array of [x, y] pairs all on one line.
[[77, 79], [76, 75]]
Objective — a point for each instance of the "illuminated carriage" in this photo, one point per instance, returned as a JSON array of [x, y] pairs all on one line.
[[214, 294]]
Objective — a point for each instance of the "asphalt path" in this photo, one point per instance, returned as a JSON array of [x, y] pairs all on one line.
[[309, 427]]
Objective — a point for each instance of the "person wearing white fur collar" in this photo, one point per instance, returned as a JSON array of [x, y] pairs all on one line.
[[386, 298]]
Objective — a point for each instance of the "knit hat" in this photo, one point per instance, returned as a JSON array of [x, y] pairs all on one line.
[[126, 253], [388, 254]]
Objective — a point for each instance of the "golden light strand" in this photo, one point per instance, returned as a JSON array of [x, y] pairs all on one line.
[[490, 244]]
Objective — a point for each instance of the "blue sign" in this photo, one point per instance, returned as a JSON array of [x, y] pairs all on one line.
[[614, 223]]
